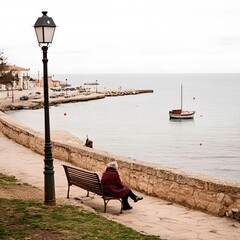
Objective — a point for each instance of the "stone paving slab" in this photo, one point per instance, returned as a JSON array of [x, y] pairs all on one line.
[[149, 216]]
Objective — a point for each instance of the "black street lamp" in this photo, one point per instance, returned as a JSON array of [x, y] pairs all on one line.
[[66, 88], [45, 28], [96, 86]]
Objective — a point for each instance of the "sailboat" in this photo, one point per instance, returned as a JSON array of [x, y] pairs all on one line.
[[180, 113]]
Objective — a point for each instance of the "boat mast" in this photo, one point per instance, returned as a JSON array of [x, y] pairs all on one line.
[[181, 97]]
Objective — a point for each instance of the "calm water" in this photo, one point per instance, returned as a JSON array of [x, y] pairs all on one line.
[[139, 127]]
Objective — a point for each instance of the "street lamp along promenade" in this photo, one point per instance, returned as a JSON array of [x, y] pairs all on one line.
[[45, 28], [66, 88]]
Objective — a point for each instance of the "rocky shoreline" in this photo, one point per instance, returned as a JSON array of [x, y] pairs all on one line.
[[17, 104], [37, 104]]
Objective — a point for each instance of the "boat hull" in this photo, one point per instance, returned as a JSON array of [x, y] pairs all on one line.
[[181, 115]]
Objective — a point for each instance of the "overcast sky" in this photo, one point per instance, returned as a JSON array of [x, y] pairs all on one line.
[[125, 36]]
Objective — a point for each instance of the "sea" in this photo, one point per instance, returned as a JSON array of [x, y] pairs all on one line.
[[138, 126]]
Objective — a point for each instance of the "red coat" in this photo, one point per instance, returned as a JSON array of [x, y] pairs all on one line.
[[112, 185]]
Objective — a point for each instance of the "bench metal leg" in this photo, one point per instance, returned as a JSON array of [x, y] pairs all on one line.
[[68, 191], [105, 205], [106, 202], [121, 205]]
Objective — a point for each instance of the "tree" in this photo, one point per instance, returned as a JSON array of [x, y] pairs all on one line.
[[7, 77], [2, 62]]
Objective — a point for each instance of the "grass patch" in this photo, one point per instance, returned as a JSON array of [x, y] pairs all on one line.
[[21, 219], [31, 219], [7, 180]]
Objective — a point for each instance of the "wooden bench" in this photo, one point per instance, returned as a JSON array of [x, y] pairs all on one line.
[[89, 181]]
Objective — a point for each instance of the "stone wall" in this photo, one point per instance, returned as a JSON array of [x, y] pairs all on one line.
[[210, 195]]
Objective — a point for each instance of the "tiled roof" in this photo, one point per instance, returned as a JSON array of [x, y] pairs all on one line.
[[16, 68]]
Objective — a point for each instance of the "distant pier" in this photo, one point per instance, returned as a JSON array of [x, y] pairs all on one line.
[[112, 93], [76, 96]]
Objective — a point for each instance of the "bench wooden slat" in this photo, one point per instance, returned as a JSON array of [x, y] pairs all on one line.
[[89, 181]]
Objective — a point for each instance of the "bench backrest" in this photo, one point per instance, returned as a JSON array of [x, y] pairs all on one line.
[[84, 179]]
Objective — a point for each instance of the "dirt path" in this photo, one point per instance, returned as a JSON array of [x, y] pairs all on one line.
[[21, 191]]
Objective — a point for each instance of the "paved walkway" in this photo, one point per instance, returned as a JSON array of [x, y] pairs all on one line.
[[150, 216]]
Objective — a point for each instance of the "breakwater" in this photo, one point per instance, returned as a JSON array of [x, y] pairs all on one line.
[[39, 103], [113, 93], [6, 105], [205, 194]]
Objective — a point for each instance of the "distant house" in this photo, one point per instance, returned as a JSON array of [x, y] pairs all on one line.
[[51, 82], [22, 74]]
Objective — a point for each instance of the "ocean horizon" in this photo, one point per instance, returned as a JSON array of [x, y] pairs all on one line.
[[138, 126]]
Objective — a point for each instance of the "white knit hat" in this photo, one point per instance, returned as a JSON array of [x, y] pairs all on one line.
[[113, 165]]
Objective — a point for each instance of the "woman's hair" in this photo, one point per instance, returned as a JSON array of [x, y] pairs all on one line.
[[113, 165]]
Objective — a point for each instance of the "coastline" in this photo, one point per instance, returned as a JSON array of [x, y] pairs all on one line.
[[8, 104], [188, 190], [161, 218]]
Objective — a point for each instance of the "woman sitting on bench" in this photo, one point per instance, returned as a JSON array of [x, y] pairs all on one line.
[[113, 187]]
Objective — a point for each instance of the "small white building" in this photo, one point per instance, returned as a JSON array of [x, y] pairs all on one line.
[[22, 81], [23, 78]]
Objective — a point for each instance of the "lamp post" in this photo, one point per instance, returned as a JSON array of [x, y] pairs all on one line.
[[12, 93], [45, 28], [66, 89]]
